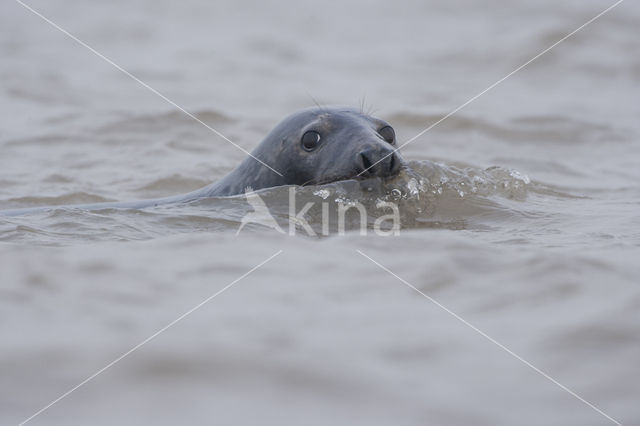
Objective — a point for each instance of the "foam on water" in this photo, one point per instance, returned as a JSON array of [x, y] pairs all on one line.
[[520, 213]]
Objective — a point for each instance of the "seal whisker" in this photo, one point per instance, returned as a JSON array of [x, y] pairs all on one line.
[[318, 104]]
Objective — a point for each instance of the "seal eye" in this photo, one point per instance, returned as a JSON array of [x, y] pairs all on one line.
[[387, 134], [310, 140]]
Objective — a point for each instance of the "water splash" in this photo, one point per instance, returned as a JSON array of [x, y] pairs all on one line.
[[427, 194]]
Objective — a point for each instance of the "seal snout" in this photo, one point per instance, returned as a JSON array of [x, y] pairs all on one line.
[[377, 163]]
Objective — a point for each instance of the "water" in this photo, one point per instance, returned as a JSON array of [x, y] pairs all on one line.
[[526, 223]]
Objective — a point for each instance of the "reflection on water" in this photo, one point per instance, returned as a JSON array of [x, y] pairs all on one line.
[[519, 213]]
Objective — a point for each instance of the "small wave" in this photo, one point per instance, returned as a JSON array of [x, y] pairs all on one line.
[[455, 122], [64, 199], [174, 184], [163, 121], [529, 128], [426, 194]]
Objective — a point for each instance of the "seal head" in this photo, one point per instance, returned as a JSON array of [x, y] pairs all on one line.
[[317, 146]]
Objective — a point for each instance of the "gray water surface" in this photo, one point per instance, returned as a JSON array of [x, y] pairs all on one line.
[[527, 225]]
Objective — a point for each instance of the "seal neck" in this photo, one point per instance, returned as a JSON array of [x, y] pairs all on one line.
[[248, 174]]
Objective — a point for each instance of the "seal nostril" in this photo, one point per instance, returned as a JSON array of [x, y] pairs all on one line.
[[366, 163], [392, 162]]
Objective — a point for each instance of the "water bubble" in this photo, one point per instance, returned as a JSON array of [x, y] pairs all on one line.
[[412, 185], [322, 193], [519, 176]]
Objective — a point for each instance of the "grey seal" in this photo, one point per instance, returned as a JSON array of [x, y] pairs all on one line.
[[311, 147]]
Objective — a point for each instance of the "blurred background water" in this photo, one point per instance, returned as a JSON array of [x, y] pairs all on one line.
[[528, 225]]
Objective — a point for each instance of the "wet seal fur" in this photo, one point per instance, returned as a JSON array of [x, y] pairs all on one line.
[[311, 147]]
